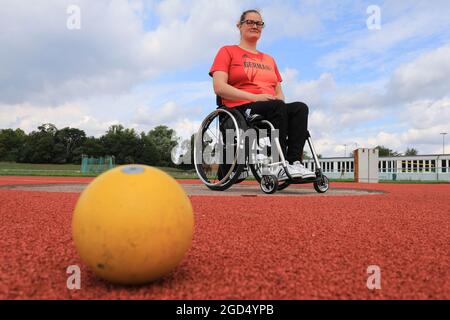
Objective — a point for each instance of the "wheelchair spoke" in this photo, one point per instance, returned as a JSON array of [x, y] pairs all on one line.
[[213, 134], [218, 167]]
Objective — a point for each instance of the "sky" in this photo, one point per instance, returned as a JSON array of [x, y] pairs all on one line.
[[372, 72]]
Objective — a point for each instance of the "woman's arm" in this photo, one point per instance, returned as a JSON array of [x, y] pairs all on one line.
[[279, 92], [224, 90]]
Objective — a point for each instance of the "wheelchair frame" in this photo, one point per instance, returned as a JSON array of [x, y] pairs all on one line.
[[268, 181]]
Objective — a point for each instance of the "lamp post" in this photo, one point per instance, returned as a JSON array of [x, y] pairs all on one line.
[[443, 141], [345, 152]]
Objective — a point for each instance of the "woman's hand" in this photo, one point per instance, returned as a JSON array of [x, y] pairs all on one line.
[[263, 97]]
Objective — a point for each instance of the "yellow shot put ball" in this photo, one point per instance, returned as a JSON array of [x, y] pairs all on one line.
[[133, 224]]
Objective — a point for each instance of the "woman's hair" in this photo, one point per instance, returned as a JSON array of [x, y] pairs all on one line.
[[245, 13]]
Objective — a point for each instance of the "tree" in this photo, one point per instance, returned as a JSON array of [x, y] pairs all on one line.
[[39, 146], [411, 152], [164, 140], [386, 152], [90, 147], [68, 140], [147, 151], [11, 142], [47, 144], [121, 143], [50, 145]]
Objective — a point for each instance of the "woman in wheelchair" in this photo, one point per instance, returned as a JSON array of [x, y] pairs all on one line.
[[248, 80], [247, 84]]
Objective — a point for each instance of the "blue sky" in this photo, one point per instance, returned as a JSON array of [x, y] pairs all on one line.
[[144, 63]]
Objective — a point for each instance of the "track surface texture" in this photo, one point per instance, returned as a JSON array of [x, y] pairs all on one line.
[[271, 247]]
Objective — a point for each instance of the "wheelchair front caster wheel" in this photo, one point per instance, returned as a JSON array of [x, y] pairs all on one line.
[[269, 184], [322, 185]]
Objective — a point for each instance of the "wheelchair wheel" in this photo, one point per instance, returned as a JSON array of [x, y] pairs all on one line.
[[269, 184], [322, 185], [256, 171], [215, 158]]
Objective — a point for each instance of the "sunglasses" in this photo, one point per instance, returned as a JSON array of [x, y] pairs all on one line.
[[259, 24]]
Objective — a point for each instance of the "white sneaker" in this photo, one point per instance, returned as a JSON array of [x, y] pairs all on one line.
[[305, 173], [281, 174], [296, 170], [293, 171]]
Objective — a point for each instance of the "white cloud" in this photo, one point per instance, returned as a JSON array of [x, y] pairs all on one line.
[[289, 21], [29, 117], [346, 103], [312, 92], [392, 112], [186, 127], [153, 116], [105, 73], [402, 22], [391, 140], [321, 122], [43, 61], [428, 114], [428, 76], [185, 120], [93, 126], [183, 39]]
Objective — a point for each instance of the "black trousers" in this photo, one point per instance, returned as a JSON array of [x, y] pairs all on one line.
[[291, 119]]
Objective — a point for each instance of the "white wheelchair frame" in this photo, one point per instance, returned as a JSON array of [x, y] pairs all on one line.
[[268, 180]]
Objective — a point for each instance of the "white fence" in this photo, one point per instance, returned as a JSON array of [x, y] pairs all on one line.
[[401, 168]]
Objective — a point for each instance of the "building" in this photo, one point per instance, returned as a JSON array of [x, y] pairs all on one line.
[[418, 168]]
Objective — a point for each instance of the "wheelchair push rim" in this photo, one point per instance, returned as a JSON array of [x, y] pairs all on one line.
[[210, 136]]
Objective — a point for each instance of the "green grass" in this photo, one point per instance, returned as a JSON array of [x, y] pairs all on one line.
[[29, 169], [71, 170], [74, 170], [35, 166]]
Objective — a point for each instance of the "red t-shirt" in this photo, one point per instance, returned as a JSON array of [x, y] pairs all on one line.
[[254, 73]]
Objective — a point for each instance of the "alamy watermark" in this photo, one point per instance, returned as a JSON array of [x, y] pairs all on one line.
[[374, 279], [373, 22], [228, 146], [74, 279], [74, 19]]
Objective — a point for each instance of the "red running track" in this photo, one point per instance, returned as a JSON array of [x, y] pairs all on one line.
[[306, 247]]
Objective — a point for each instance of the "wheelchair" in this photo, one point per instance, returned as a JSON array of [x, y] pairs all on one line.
[[224, 154]]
